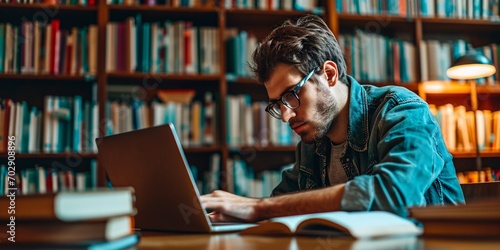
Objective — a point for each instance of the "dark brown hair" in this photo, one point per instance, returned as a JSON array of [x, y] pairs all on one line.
[[307, 44]]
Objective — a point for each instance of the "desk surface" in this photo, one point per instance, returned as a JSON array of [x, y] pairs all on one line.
[[153, 240]]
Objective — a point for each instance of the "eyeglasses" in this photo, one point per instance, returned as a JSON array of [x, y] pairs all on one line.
[[290, 99]]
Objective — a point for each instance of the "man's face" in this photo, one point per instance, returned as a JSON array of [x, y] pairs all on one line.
[[318, 106]]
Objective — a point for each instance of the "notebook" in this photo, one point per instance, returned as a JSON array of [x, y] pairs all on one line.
[[152, 161]]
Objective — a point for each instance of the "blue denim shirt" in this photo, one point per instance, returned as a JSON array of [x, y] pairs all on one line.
[[395, 157]]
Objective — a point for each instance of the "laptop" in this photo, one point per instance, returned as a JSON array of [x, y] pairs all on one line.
[[152, 161]]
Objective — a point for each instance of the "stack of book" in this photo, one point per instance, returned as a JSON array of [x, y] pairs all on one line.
[[94, 219], [479, 219]]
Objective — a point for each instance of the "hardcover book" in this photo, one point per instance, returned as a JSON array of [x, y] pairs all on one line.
[[69, 205]]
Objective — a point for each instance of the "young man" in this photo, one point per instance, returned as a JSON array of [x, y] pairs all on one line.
[[363, 147]]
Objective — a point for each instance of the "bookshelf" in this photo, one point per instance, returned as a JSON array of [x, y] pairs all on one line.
[[412, 28]]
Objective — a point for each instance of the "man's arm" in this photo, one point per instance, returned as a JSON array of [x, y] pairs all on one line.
[[230, 207]]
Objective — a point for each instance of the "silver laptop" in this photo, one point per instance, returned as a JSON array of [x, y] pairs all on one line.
[[152, 161]]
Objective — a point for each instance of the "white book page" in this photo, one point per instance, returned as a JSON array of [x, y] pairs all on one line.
[[375, 224]]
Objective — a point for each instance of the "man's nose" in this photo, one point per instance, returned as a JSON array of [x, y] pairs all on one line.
[[286, 113]]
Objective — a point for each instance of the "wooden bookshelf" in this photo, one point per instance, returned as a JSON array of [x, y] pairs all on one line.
[[260, 22]]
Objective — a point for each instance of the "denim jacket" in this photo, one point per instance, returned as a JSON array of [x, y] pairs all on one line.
[[395, 156]]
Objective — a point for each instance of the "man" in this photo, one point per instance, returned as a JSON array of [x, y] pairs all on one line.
[[363, 148]]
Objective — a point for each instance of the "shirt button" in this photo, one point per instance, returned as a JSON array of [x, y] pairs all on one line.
[[347, 159]]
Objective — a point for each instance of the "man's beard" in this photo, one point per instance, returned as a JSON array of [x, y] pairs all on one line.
[[324, 117]]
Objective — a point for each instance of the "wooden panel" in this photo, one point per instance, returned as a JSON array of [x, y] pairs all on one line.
[[481, 191]]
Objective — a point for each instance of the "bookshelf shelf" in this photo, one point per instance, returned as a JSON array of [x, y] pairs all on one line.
[[386, 24], [462, 23], [475, 28], [242, 80], [260, 18], [204, 149], [459, 154], [258, 148], [156, 8], [489, 153], [14, 12], [445, 87], [165, 77], [370, 18], [51, 156], [77, 78], [202, 15], [494, 89], [251, 12], [52, 7]]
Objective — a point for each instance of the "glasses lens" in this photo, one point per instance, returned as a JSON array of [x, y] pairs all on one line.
[[275, 110], [291, 100]]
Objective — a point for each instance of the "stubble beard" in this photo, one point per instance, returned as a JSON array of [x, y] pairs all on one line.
[[323, 119]]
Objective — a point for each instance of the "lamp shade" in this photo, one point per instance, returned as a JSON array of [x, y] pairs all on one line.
[[471, 66]]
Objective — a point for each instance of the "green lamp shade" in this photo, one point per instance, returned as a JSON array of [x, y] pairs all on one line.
[[471, 66]]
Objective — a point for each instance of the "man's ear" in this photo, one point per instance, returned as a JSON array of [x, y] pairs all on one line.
[[331, 72]]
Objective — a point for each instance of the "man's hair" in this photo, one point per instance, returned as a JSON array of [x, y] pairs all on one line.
[[307, 44]]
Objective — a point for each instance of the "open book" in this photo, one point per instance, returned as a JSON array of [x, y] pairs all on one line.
[[356, 224]]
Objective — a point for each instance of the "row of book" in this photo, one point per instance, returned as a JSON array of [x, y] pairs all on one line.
[[242, 179], [47, 48], [194, 120], [485, 175], [66, 124], [239, 48], [461, 131], [436, 57], [162, 47], [298, 5], [41, 180], [376, 58], [209, 179], [404, 8], [91, 219], [462, 9], [239, 178], [54, 2], [249, 124]]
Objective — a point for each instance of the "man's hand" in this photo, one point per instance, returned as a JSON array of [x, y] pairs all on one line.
[[230, 207]]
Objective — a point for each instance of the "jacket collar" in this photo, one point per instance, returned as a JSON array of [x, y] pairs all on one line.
[[357, 131]]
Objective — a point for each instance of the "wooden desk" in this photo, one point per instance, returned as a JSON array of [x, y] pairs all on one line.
[[153, 240]]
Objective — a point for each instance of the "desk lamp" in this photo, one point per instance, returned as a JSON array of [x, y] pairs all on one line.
[[471, 66]]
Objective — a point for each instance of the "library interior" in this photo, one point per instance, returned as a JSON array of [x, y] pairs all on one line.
[[78, 73]]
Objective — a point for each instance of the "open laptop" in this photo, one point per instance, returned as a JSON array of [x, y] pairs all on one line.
[[152, 161]]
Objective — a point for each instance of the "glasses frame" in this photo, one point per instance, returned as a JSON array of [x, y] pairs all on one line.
[[294, 91]]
